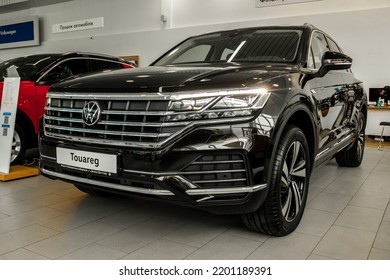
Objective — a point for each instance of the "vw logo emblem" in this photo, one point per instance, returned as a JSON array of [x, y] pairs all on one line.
[[91, 113]]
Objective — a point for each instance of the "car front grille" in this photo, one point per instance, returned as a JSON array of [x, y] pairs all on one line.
[[126, 121], [217, 171]]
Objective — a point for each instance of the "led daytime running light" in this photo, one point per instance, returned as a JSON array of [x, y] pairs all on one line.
[[221, 105]]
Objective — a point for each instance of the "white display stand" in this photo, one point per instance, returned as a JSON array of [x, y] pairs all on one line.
[[9, 104]]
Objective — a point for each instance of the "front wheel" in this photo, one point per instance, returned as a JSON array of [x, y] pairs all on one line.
[[288, 185]]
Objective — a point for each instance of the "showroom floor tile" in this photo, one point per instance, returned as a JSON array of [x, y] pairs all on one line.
[[347, 217]]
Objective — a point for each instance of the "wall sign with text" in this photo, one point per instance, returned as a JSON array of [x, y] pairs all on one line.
[[267, 3], [78, 25], [19, 33]]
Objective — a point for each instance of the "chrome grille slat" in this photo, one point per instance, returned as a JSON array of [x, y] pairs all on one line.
[[111, 112], [216, 162], [211, 172], [64, 110], [119, 124], [219, 181], [127, 122], [143, 124], [107, 132], [64, 119], [129, 113]]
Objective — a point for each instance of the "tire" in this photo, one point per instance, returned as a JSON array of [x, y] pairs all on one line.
[[288, 185], [353, 156], [91, 191], [19, 145]]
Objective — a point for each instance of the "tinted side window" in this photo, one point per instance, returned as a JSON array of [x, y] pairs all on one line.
[[107, 65], [318, 47], [76, 66], [66, 69]]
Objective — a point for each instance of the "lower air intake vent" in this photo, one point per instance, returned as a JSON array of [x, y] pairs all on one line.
[[217, 171]]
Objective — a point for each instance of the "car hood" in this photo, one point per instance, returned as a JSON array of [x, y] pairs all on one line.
[[173, 79]]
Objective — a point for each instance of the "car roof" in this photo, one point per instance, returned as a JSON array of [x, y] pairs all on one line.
[[41, 62], [73, 54], [305, 26], [60, 56]]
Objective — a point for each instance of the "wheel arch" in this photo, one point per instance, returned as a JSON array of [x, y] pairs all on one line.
[[301, 119], [301, 116], [364, 111], [28, 128]]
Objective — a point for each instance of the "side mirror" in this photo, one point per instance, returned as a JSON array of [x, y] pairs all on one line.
[[334, 61]]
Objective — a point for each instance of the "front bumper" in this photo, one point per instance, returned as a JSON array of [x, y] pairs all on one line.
[[188, 188], [222, 174]]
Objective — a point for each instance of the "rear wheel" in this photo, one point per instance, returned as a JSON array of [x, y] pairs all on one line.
[[283, 208], [353, 156]]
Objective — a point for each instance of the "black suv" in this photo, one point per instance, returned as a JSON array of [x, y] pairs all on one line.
[[230, 122]]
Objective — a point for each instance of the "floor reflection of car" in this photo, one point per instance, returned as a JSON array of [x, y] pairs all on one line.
[[38, 73]]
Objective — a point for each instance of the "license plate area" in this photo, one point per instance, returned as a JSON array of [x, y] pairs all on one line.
[[91, 162]]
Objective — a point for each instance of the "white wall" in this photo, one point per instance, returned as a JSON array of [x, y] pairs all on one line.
[[133, 27], [202, 12]]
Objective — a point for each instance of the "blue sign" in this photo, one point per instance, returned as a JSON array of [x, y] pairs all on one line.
[[19, 33]]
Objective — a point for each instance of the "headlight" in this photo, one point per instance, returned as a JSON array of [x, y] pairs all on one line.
[[216, 105], [189, 104]]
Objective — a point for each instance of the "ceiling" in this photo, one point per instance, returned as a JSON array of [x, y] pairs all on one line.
[[7, 6]]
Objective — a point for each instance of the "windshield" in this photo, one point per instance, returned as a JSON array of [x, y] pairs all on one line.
[[250, 46], [26, 66]]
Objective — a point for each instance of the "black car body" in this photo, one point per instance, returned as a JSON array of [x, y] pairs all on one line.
[[230, 122]]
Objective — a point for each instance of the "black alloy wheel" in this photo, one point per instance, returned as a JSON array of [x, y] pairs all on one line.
[[283, 208]]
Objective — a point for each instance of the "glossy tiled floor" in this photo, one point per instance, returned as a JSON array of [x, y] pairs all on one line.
[[347, 217]]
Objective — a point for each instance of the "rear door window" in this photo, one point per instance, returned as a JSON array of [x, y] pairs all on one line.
[[102, 65], [66, 69]]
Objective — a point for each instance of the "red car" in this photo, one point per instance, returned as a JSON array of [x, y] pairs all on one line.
[[38, 73]]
